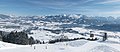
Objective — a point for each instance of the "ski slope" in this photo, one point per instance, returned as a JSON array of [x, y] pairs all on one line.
[[73, 46]]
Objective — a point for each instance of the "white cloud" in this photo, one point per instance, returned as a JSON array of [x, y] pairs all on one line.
[[113, 12], [110, 13], [109, 1], [88, 1]]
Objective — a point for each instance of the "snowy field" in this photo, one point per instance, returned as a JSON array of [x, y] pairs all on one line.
[[73, 46], [111, 45]]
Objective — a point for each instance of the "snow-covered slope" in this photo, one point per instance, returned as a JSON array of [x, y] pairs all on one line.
[[111, 45], [74, 46], [4, 46]]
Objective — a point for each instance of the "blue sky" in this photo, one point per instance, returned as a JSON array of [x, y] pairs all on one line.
[[47, 7]]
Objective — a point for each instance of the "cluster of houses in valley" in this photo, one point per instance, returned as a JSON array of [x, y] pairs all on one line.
[[92, 37]]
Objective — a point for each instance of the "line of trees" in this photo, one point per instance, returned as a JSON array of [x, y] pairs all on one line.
[[23, 39], [18, 38], [63, 40]]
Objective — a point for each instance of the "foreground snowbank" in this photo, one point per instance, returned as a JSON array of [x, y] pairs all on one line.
[[73, 46]]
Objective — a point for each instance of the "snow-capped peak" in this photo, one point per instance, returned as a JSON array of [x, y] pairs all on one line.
[[75, 15]]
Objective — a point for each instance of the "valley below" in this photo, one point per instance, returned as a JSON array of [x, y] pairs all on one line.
[[68, 33]]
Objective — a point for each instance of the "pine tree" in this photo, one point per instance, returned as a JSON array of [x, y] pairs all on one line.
[[31, 41], [0, 35]]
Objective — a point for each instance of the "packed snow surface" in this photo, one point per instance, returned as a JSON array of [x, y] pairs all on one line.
[[73, 46]]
